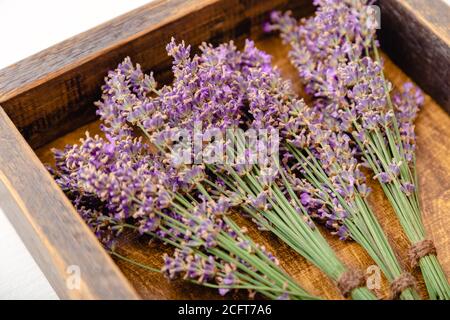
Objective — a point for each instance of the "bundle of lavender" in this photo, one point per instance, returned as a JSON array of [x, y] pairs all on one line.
[[208, 97], [120, 183], [116, 184], [337, 57], [251, 173], [330, 185]]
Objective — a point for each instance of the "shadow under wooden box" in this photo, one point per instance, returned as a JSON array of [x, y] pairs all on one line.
[[47, 102]]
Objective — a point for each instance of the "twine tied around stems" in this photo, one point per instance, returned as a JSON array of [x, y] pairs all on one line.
[[403, 282], [350, 280], [419, 250]]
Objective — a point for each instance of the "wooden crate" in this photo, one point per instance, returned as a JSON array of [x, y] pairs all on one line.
[[47, 101]]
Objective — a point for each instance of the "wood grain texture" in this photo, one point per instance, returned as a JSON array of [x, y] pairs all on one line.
[[49, 225], [416, 35], [434, 172], [50, 93]]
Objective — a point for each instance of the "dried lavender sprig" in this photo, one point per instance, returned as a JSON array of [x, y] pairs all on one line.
[[402, 191], [349, 81], [95, 151]]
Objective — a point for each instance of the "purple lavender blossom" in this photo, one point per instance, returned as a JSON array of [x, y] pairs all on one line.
[[192, 266], [320, 43], [335, 63], [407, 102], [228, 279]]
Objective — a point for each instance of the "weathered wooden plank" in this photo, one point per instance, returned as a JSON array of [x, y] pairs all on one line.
[[416, 35], [53, 232], [52, 92]]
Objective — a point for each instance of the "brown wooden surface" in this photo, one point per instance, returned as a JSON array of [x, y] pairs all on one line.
[[434, 172], [416, 35], [51, 93], [49, 225]]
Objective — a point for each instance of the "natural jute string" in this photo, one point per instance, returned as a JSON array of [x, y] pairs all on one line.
[[403, 282], [350, 280], [419, 250]]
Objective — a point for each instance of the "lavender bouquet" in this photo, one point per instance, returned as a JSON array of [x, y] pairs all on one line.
[[331, 186], [337, 57], [116, 184], [119, 183], [212, 90], [264, 191]]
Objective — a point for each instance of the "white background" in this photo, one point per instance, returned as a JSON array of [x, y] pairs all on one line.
[[27, 27]]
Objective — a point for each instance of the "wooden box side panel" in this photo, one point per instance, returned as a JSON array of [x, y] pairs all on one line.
[[416, 35], [60, 242]]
